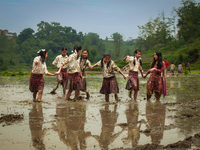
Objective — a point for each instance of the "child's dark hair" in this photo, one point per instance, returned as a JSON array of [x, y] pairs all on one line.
[[64, 48], [77, 48], [42, 54], [160, 63], [135, 52], [86, 57], [104, 55], [172, 62]]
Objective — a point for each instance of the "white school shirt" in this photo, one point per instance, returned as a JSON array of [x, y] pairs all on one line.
[[133, 67], [40, 68], [59, 60], [72, 63], [108, 72], [83, 64]]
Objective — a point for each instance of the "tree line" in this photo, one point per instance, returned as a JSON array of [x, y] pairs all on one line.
[[21, 50], [175, 32]]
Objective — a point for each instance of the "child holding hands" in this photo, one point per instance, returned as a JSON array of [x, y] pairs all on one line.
[[36, 84], [109, 84]]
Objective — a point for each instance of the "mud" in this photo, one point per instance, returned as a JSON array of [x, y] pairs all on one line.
[[171, 123], [8, 119]]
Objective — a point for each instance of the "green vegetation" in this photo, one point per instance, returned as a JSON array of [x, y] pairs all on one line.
[[177, 37], [93, 74], [6, 73], [178, 42]]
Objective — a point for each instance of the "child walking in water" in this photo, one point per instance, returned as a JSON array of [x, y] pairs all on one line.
[[62, 77], [135, 65], [83, 63], [155, 82], [180, 68], [109, 84], [74, 75], [36, 84], [172, 66]]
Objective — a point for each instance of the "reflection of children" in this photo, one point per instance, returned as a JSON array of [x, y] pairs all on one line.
[[180, 68], [74, 74], [133, 128], [135, 65], [71, 125], [62, 77], [83, 63], [155, 114], [109, 119], [172, 66], [154, 84], [36, 121], [109, 80], [36, 84]]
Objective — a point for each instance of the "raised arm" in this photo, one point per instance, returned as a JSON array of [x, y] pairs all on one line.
[[55, 61], [96, 65]]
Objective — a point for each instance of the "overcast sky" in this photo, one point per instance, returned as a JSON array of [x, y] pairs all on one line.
[[103, 17]]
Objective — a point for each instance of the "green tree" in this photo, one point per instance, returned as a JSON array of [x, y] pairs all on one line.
[[24, 35], [118, 38], [188, 20]]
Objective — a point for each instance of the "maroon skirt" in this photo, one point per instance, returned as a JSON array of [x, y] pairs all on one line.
[[62, 77], [73, 81], [83, 84], [36, 82], [132, 81], [109, 86]]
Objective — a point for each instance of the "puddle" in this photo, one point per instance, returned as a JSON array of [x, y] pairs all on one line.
[[173, 122]]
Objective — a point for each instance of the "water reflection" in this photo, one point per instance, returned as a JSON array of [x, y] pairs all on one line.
[[155, 114], [109, 119], [70, 125], [133, 127], [36, 121]]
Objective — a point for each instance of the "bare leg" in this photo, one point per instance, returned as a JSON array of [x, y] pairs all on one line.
[[130, 93], [68, 94], [87, 93], [34, 95], [53, 91], [135, 95], [77, 93], [107, 97], [40, 94]]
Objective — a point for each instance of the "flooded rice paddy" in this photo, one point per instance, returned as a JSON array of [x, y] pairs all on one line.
[[174, 122]]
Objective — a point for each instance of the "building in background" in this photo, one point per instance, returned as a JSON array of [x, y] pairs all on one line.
[[7, 33]]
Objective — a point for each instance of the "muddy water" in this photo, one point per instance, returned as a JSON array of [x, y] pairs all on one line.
[[96, 124]]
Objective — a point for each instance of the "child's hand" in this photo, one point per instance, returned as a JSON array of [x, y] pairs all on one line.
[[144, 76], [81, 76], [124, 68], [57, 73], [125, 77], [91, 68], [125, 58], [53, 64]]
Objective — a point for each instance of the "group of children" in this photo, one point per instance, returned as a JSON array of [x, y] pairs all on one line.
[[71, 74]]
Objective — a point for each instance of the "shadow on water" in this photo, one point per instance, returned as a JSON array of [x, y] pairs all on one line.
[[96, 124]]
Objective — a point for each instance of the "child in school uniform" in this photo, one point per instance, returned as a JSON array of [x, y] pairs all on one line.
[[83, 63], [74, 75], [62, 77], [135, 65], [36, 84], [109, 84], [172, 66], [156, 83], [180, 68]]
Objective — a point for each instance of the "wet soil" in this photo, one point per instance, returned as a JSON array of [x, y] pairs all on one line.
[[10, 118], [54, 123]]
